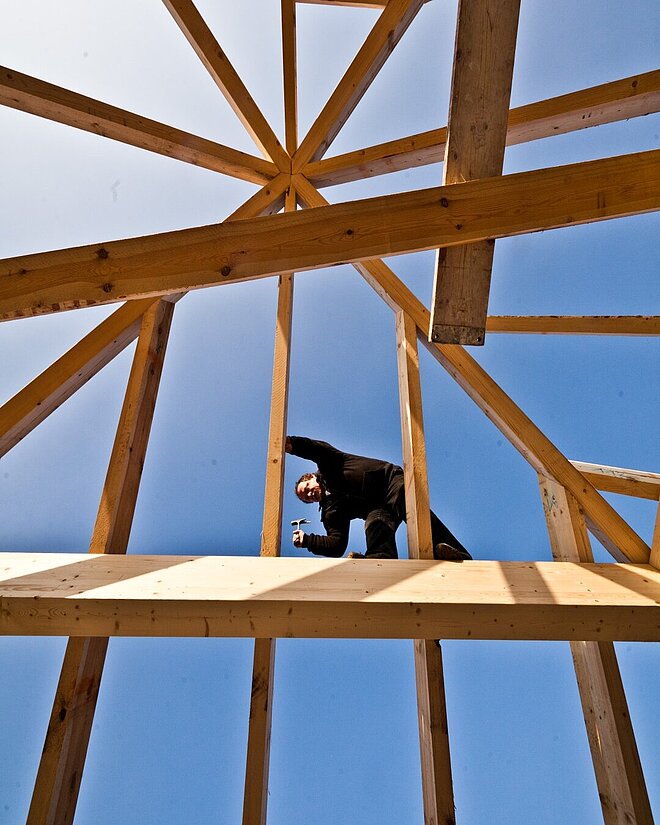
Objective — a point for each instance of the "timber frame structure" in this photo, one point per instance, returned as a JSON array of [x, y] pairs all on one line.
[[110, 594]]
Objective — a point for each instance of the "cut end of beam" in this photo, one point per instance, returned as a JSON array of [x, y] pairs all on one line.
[[452, 334]]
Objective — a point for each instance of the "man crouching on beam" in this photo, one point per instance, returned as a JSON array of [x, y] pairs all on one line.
[[349, 486]]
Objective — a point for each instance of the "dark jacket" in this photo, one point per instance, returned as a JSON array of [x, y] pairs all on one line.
[[352, 487]]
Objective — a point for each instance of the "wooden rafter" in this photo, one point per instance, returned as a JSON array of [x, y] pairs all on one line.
[[437, 787], [60, 770], [619, 480], [608, 103], [390, 225], [575, 324], [621, 785], [207, 48], [614, 533], [28, 94], [255, 797], [476, 136], [380, 43], [239, 596], [290, 77]]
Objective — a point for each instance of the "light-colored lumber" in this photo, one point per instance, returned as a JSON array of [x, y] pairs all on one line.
[[81, 595], [380, 43], [621, 785], [255, 796], [575, 324], [476, 136], [290, 75], [63, 758], [435, 758], [58, 382], [611, 530], [608, 103], [29, 94], [389, 225], [217, 64], [619, 480]]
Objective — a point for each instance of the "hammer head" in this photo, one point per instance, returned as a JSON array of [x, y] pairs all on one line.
[[298, 521]]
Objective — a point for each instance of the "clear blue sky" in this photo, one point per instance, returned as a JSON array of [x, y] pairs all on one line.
[[168, 745]]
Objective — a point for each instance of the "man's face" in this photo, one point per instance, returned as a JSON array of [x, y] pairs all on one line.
[[309, 490]]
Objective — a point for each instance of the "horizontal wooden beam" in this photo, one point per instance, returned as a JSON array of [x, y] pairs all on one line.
[[607, 103], [619, 480], [28, 94], [413, 221], [76, 594], [575, 324]]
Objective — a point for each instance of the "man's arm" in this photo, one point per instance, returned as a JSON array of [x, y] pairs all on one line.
[[333, 544], [319, 452]]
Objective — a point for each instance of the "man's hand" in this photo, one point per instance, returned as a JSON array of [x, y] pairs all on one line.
[[287, 445], [298, 538]]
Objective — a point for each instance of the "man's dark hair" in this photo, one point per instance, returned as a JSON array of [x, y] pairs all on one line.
[[303, 477]]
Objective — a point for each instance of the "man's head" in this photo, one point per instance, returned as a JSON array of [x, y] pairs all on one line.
[[308, 488]]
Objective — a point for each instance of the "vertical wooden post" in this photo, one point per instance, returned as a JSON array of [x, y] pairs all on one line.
[[60, 770], [622, 789], [437, 788], [255, 797], [476, 137]]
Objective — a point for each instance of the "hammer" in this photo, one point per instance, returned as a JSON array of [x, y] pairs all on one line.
[[298, 521]]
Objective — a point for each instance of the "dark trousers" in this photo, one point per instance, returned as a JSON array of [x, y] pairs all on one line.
[[381, 524]]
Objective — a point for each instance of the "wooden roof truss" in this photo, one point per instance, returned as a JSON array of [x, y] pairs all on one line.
[[589, 605]]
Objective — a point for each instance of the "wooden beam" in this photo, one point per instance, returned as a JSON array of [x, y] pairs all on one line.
[[608, 103], [437, 787], [575, 324], [380, 43], [619, 480], [622, 789], [390, 225], [255, 796], [655, 549], [61, 767], [358, 4], [227, 80], [28, 94], [73, 594], [476, 136], [289, 73], [612, 531]]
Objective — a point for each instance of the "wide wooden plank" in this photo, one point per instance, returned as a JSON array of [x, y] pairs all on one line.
[[29, 94], [380, 43], [621, 785], [612, 531], [476, 136], [607, 103], [619, 480], [390, 225], [435, 758], [237, 596], [218, 65], [575, 324], [61, 766]]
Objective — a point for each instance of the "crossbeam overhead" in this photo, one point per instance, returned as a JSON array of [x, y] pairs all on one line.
[[390, 225], [76, 594]]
